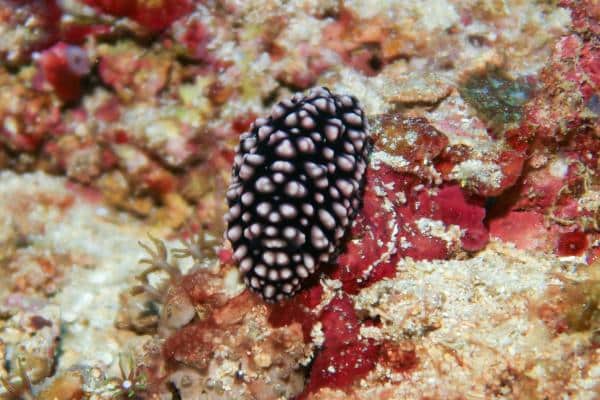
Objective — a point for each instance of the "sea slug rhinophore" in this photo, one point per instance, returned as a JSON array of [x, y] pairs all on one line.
[[296, 186]]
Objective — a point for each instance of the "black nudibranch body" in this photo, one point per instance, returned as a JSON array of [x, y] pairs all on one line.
[[296, 187]]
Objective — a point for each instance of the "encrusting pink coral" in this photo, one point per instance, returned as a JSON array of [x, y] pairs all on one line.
[[151, 14]]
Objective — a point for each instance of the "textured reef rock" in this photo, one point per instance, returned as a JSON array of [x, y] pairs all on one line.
[[471, 269]]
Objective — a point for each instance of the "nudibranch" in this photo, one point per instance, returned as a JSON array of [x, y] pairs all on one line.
[[295, 189]]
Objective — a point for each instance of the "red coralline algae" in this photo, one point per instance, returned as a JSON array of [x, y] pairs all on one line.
[[63, 66], [341, 367], [386, 229], [572, 244], [421, 247], [585, 143], [523, 228], [568, 47], [552, 114], [451, 206], [118, 8], [297, 309], [154, 15], [568, 210], [584, 15], [374, 249], [544, 207], [157, 15], [345, 357], [538, 191], [74, 33], [340, 323], [558, 133], [590, 63]]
